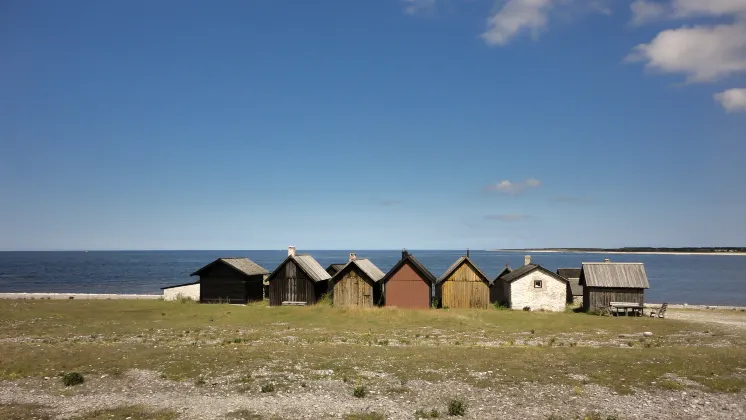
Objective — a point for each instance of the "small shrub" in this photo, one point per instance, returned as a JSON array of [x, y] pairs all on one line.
[[71, 297], [630, 343], [238, 340], [671, 385], [422, 414], [527, 308], [185, 299], [435, 302], [552, 341], [72, 378], [533, 332], [499, 306], [383, 342], [577, 391], [359, 391], [434, 413], [456, 407], [163, 314], [325, 300], [345, 379], [268, 388], [200, 381]]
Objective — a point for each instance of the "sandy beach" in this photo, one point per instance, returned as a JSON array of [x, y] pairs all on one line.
[[557, 251]]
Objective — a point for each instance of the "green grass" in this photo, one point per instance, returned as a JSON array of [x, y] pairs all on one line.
[[131, 412], [23, 411], [187, 341], [365, 416]]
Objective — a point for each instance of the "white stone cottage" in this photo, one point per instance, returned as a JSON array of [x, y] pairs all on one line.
[[534, 287]]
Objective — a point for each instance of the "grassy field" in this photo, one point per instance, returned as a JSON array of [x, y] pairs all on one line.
[[187, 341]]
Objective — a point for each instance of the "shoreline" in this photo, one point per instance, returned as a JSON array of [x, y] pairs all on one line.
[[81, 296], [557, 251]]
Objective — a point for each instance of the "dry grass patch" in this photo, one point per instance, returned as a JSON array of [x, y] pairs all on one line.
[[24, 411], [130, 412]]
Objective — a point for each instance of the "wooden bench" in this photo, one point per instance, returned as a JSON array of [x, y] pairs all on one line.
[[291, 303], [659, 312]]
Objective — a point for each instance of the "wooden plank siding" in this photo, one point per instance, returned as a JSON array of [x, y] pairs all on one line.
[[465, 289], [353, 289], [599, 297], [407, 289], [291, 284], [224, 284]]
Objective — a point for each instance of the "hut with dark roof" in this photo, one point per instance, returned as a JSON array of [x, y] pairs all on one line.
[[574, 289], [408, 284], [533, 287], [230, 280], [605, 282], [357, 283], [497, 291], [298, 280], [334, 269], [463, 285]]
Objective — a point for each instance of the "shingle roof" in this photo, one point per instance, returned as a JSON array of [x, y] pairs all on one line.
[[244, 265], [507, 270], [526, 269], [367, 267], [573, 277], [608, 274], [336, 267], [569, 273], [311, 267], [418, 267], [457, 264]]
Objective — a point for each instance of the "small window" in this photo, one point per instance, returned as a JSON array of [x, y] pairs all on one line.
[[537, 284]]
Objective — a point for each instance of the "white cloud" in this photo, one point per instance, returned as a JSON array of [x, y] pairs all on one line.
[[516, 16], [520, 16], [510, 188], [417, 7], [702, 53], [733, 100], [644, 11]]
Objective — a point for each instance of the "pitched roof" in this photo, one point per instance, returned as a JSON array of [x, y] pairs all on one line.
[[569, 273], [526, 269], [311, 267], [243, 265], [336, 267], [180, 285], [608, 274], [457, 264], [416, 265], [366, 266]]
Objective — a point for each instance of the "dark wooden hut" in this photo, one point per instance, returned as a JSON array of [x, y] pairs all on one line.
[[463, 285], [408, 284], [357, 283], [230, 280], [606, 282], [574, 289], [298, 280], [497, 289], [334, 269]]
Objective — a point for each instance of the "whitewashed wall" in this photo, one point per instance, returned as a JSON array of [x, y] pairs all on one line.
[[176, 293], [551, 296]]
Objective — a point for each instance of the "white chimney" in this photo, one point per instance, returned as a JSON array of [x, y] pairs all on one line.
[[527, 260], [291, 251], [353, 256]]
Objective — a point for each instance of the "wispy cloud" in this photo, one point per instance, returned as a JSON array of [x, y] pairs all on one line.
[[732, 100], [389, 203], [508, 217], [510, 188], [571, 199], [516, 17], [419, 7]]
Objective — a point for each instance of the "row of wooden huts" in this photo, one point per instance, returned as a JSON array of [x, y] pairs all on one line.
[[301, 280]]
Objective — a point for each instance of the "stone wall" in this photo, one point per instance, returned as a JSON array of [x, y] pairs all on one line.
[[551, 296]]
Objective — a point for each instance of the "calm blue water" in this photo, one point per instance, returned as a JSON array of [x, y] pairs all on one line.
[[694, 279]]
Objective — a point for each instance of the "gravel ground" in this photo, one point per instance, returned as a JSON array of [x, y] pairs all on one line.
[[326, 398], [732, 318]]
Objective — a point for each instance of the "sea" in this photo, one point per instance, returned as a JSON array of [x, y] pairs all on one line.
[[692, 279]]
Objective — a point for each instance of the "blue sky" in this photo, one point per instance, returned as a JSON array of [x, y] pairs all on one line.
[[425, 124]]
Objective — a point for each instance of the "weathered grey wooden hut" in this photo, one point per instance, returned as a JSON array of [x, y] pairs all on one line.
[[605, 282], [574, 289], [299, 279], [230, 280], [357, 283]]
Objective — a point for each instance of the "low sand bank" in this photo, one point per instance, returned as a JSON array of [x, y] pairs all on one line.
[[75, 296], [567, 251]]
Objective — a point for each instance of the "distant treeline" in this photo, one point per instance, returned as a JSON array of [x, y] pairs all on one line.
[[649, 249]]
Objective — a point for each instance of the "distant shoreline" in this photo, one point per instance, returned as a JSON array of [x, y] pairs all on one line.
[[571, 251], [80, 296]]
